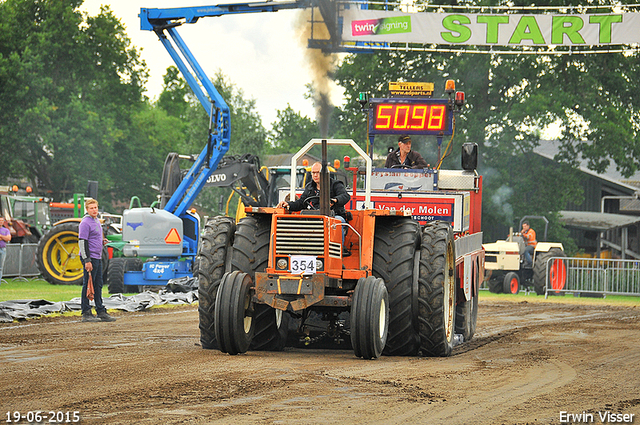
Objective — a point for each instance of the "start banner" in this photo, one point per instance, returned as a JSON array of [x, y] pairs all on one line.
[[491, 29]]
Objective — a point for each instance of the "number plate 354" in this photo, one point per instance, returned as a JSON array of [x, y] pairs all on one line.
[[303, 264]]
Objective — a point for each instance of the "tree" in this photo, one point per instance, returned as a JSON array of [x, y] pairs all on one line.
[[291, 131], [69, 89], [247, 132], [175, 94]]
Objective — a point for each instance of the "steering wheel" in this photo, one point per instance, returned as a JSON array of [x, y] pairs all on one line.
[[400, 166], [307, 203]]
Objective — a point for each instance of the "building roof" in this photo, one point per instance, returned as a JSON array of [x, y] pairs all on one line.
[[596, 221], [550, 148]]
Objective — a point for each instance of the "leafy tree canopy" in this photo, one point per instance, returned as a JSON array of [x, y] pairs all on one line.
[[71, 89], [291, 131]]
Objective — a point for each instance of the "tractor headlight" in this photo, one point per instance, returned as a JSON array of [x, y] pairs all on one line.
[[282, 264]]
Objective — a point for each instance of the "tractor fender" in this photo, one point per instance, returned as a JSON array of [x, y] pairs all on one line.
[[68, 220], [546, 246]]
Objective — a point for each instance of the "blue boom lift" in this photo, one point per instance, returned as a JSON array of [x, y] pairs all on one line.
[[169, 235]]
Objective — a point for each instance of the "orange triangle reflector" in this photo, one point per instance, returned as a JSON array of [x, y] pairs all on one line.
[[173, 237]]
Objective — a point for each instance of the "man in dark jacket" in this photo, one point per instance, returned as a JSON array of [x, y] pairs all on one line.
[[404, 157], [310, 198]]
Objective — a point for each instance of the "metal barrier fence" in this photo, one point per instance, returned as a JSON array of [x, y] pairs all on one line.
[[592, 275], [20, 260]]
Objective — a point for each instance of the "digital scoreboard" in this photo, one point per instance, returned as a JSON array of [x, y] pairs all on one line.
[[410, 116]]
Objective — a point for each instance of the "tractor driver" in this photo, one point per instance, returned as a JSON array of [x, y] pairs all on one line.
[[529, 236], [404, 157], [310, 198]]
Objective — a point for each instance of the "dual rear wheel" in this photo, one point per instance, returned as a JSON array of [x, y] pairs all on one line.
[[418, 268]]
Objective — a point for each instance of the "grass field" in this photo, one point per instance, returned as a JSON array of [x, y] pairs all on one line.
[[39, 289], [563, 299], [36, 289]]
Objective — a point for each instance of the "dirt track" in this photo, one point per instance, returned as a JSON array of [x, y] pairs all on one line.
[[528, 362]]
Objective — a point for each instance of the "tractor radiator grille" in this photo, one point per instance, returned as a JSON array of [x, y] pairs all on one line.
[[300, 236], [334, 249]]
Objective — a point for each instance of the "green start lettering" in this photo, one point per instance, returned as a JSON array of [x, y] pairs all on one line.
[[605, 22], [459, 33], [459, 28], [527, 29], [569, 25], [492, 22]]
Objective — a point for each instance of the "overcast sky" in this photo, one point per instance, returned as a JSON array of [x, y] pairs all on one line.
[[260, 53]]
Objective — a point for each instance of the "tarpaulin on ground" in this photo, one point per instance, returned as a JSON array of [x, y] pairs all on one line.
[[28, 309]]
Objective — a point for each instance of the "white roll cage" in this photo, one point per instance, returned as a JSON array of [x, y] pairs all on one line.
[[343, 142]]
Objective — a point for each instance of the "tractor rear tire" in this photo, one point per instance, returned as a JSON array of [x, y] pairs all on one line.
[[467, 310], [557, 271], [395, 260], [467, 318], [511, 283], [212, 261], [234, 324], [58, 256], [495, 283], [437, 290], [251, 255], [369, 318]]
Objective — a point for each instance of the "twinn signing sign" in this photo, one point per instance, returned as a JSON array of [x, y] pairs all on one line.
[[491, 29]]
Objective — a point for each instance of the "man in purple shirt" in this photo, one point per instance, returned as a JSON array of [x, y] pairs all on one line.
[[91, 240], [5, 236]]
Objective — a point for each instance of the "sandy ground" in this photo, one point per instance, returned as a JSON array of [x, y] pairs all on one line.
[[529, 362]]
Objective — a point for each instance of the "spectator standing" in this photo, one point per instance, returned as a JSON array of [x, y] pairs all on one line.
[[91, 241], [5, 236]]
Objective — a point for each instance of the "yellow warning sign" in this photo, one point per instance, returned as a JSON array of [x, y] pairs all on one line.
[[173, 237]]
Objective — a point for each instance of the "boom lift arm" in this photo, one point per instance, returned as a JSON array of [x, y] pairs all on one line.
[[164, 23], [170, 235]]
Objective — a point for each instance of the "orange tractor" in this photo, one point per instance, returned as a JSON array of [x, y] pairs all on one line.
[[404, 287]]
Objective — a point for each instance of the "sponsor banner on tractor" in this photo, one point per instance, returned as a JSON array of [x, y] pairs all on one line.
[[421, 210], [424, 206], [553, 29]]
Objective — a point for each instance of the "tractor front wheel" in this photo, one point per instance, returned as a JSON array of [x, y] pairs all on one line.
[[511, 283], [58, 255], [251, 255], [495, 283], [234, 325], [396, 254], [369, 318]]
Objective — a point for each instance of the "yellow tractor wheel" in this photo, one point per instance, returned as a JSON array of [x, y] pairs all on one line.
[[58, 256]]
